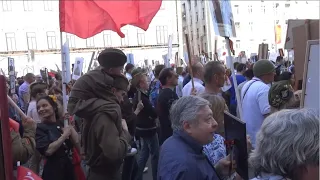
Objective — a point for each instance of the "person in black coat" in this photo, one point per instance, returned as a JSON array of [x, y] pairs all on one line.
[[146, 127]]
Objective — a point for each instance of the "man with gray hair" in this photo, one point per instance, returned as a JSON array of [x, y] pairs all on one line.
[[287, 146], [193, 126]]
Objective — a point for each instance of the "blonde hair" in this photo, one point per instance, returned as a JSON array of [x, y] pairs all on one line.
[[218, 106]]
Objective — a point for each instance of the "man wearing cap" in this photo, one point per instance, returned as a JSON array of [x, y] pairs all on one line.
[[254, 95], [96, 98]]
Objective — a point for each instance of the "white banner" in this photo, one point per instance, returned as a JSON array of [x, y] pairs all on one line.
[[222, 18], [169, 55], [77, 69]]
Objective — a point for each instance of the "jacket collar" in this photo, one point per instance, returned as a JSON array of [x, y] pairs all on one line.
[[190, 141]]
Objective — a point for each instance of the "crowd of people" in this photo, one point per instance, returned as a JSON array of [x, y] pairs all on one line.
[[118, 119]]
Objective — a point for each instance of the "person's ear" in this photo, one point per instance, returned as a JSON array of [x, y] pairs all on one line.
[[187, 127]]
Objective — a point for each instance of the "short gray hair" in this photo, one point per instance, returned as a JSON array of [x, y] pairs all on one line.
[[186, 109], [287, 140]]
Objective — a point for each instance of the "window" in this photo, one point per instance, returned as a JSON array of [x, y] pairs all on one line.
[[183, 8], [197, 17], [27, 5], [107, 39], [204, 29], [162, 34], [237, 24], [197, 33], [191, 20], [31, 40], [203, 13], [125, 40], [47, 5], [90, 42], [250, 9], [251, 26], [286, 21], [191, 35], [287, 5], [195, 3], [72, 40], [263, 9], [11, 41], [141, 37], [189, 4], [205, 47], [6, 5], [51, 40], [237, 8], [238, 44]]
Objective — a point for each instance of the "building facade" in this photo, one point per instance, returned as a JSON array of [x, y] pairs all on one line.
[[255, 23], [33, 26]]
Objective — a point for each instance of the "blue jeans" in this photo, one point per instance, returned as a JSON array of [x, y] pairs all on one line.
[[150, 145]]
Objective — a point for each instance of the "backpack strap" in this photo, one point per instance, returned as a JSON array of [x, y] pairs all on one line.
[[248, 88]]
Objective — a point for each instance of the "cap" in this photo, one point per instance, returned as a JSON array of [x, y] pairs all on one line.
[[263, 67], [120, 82], [280, 93], [110, 58]]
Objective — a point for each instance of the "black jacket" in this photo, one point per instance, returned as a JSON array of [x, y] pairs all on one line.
[[128, 115], [146, 119]]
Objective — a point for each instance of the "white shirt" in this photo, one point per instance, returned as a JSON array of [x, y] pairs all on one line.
[[187, 89], [255, 104], [32, 111], [179, 86]]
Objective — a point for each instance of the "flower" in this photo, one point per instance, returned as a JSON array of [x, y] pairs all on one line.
[[54, 98]]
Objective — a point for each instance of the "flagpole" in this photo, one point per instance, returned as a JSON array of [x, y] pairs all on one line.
[[63, 74]]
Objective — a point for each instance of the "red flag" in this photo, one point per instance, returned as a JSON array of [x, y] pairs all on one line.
[[26, 174], [76, 161], [87, 18]]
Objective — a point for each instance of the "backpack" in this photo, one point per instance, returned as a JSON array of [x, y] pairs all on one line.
[[154, 90]]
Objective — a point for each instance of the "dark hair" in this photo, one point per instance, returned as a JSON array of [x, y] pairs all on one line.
[[52, 103], [241, 67], [285, 76], [37, 90], [128, 67], [20, 82], [158, 69], [211, 68], [279, 58], [248, 73], [164, 74], [55, 89], [58, 76], [235, 65]]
